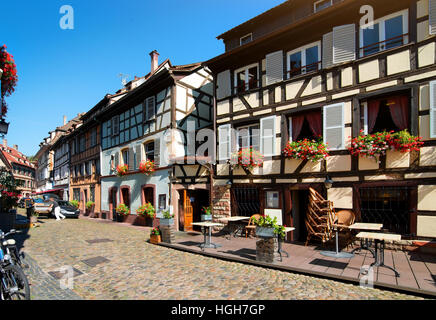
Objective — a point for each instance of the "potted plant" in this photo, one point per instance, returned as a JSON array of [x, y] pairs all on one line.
[[122, 210], [90, 206], [167, 220], [155, 236], [146, 167], [248, 158], [206, 214], [147, 211], [74, 203], [267, 227], [8, 199], [313, 150], [122, 170]]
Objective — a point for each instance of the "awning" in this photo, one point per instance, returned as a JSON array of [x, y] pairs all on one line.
[[48, 191]]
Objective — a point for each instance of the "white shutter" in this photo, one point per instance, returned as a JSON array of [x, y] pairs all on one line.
[[268, 136], [274, 67], [223, 85], [432, 16], [333, 126], [365, 118], [224, 139], [433, 109], [344, 43], [290, 129], [327, 50]]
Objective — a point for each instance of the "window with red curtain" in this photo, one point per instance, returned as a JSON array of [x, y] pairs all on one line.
[[307, 125], [389, 114]]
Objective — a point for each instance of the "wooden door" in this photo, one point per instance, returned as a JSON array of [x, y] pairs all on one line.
[[189, 211]]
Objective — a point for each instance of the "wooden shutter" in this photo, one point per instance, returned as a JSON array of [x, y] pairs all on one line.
[[223, 85], [157, 152], [432, 16], [138, 155], [344, 43], [224, 139], [334, 126], [433, 109], [115, 125], [274, 67], [131, 160], [327, 50], [268, 136], [150, 107]]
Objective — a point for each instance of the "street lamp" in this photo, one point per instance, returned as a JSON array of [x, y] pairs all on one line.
[[3, 127], [328, 182]]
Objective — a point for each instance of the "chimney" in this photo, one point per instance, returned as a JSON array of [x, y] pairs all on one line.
[[65, 120], [16, 147], [154, 60], [5, 142]]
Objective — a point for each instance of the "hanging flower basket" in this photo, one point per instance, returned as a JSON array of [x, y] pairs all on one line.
[[146, 167], [313, 150], [9, 78], [122, 170], [376, 144], [248, 158]]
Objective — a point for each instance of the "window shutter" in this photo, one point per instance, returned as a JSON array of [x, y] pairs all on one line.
[[223, 85], [131, 160], [268, 136], [157, 152], [344, 43], [274, 67], [327, 50], [433, 109], [115, 125], [150, 108], [432, 16], [290, 129], [117, 160], [138, 155], [334, 126], [224, 139]]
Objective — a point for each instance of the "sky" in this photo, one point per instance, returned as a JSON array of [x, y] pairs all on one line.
[[66, 72]]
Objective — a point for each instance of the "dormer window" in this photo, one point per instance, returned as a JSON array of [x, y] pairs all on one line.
[[321, 5], [246, 39]]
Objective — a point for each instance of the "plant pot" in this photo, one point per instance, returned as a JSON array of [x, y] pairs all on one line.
[[166, 222], [206, 217], [154, 239], [148, 221], [120, 217], [264, 232]]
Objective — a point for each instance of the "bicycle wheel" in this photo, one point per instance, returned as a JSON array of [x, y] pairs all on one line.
[[15, 285]]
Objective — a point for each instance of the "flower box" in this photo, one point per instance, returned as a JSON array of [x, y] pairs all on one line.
[[155, 239], [166, 222], [206, 217], [264, 232]]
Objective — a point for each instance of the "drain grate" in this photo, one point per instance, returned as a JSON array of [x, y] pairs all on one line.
[[98, 241], [59, 275], [92, 262]]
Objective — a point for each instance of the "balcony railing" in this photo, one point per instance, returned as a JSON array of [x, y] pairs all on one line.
[[313, 67], [384, 45]]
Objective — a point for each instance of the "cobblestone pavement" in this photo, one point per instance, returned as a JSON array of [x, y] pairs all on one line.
[[135, 269]]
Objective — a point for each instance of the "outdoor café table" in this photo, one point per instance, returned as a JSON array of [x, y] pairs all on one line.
[[279, 243], [207, 234], [379, 240], [364, 243], [337, 254], [238, 226]]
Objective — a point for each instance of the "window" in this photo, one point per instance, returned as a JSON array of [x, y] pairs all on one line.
[[88, 168], [82, 143], [82, 169], [115, 125], [125, 156], [92, 193], [97, 167], [150, 108], [246, 78], [388, 32], [246, 39], [162, 201], [249, 137], [305, 59], [93, 137], [321, 5], [149, 151], [307, 125], [76, 194], [272, 200]]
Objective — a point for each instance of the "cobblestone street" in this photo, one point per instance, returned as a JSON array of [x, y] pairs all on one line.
[[114, 261]]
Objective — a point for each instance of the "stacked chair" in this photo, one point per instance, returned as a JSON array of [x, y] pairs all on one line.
[[319, 218]]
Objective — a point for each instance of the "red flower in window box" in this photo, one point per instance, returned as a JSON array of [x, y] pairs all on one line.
[[248, 158], [122, 170], [313, 150], [146, 167], [9, 78]]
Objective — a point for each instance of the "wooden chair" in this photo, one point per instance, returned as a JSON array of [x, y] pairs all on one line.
[[345, 218], [251, 227], [319, 218]]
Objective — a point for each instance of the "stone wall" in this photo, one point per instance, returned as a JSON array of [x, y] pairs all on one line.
[[221, 202], [266, 250]]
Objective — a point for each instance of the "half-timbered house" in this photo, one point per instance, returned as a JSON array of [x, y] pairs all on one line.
[[317, 68]]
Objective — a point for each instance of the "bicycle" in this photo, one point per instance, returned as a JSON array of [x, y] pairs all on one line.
[[13, 281]]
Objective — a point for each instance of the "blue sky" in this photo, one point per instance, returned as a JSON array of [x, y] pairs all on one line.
[[64, 72]]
